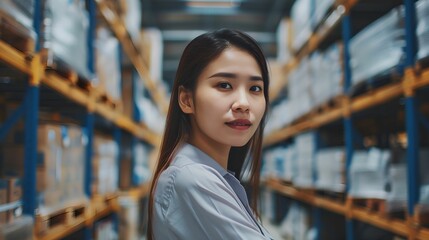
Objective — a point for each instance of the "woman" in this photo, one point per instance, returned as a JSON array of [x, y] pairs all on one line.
[[215, 120]]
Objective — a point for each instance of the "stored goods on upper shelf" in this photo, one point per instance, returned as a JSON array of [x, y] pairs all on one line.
[[316, 80], [108, 63], [16, 24], [64, 35], [321, 8], [132, 19], [301, 20], [306, 16], [423, 28], [151, 49], [147, 112], [105, 167], [20, 10], [284, 43], [379, 47]]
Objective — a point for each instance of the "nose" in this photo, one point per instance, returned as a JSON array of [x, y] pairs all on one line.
[[241, 103]]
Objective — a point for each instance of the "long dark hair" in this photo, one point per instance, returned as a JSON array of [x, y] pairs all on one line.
[[196, 56]]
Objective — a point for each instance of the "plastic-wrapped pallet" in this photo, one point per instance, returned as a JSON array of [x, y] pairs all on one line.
[[296, 224], [21, 11], [424, 177], [423, 28], [368, 173], [151, 47], [299, 89], [397, 194], [105, 167], [280, 115], [326, 74], [385, 37], [284, 45], [301, 15], [108, 63], [142, 172], [129, 218], [148, 111], [21, 228], [65, 34], [132, 19], [304, 143], [105, 230], [321, 8], [278, 163], [330, 169]]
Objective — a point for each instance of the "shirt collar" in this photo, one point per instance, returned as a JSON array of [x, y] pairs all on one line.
[[195, 154]]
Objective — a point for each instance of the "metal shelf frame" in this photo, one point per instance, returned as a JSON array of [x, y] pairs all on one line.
[[31, 65], [411, 81]]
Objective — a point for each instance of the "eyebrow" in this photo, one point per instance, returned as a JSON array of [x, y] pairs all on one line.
[[233, 75]]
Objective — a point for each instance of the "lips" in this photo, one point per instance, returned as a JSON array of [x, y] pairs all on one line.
[[239, 124]]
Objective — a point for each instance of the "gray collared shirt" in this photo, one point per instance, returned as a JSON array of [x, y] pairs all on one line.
[[194, 200]]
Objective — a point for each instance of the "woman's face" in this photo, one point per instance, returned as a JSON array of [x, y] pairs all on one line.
[[228, 103]]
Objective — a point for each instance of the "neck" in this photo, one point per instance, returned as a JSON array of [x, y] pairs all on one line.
[[218, 152]]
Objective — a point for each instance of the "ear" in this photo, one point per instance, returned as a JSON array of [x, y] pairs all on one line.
[[185, 100]]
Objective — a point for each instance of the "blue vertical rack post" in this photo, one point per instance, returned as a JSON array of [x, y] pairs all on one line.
[[90, 117], [136, 117], [348, 123], [411, 110], [31, 123]]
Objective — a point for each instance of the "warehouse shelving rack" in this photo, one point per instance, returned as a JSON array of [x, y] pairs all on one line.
[[412, 80], [30, 64]]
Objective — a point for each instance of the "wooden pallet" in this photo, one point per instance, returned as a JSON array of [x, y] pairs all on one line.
[[332, 195], [392, 75], [421, 215], [381, 207], [59, 68], [61, 218], [334, 102], [15, 34]]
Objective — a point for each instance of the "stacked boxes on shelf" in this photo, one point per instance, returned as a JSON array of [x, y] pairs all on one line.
[[60, 164], [386, 37], [423, 28], [105, 165], [278, 163], [129, 218], [10, 192], [65, 35], [108, 63]]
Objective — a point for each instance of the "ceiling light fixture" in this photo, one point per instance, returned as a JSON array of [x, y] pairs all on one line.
[[213, 3]]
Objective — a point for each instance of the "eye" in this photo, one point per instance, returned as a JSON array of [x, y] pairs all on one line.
[[224, 85], [256, 89]]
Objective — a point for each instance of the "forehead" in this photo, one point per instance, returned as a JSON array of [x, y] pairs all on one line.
[[233, 60]]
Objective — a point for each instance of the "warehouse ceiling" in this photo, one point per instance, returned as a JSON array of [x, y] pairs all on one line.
[[182, 20]]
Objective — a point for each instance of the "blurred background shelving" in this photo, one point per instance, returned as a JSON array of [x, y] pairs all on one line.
[[84, 92]]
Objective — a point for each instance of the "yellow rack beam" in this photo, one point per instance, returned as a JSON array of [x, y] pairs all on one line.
[[15, 58]]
